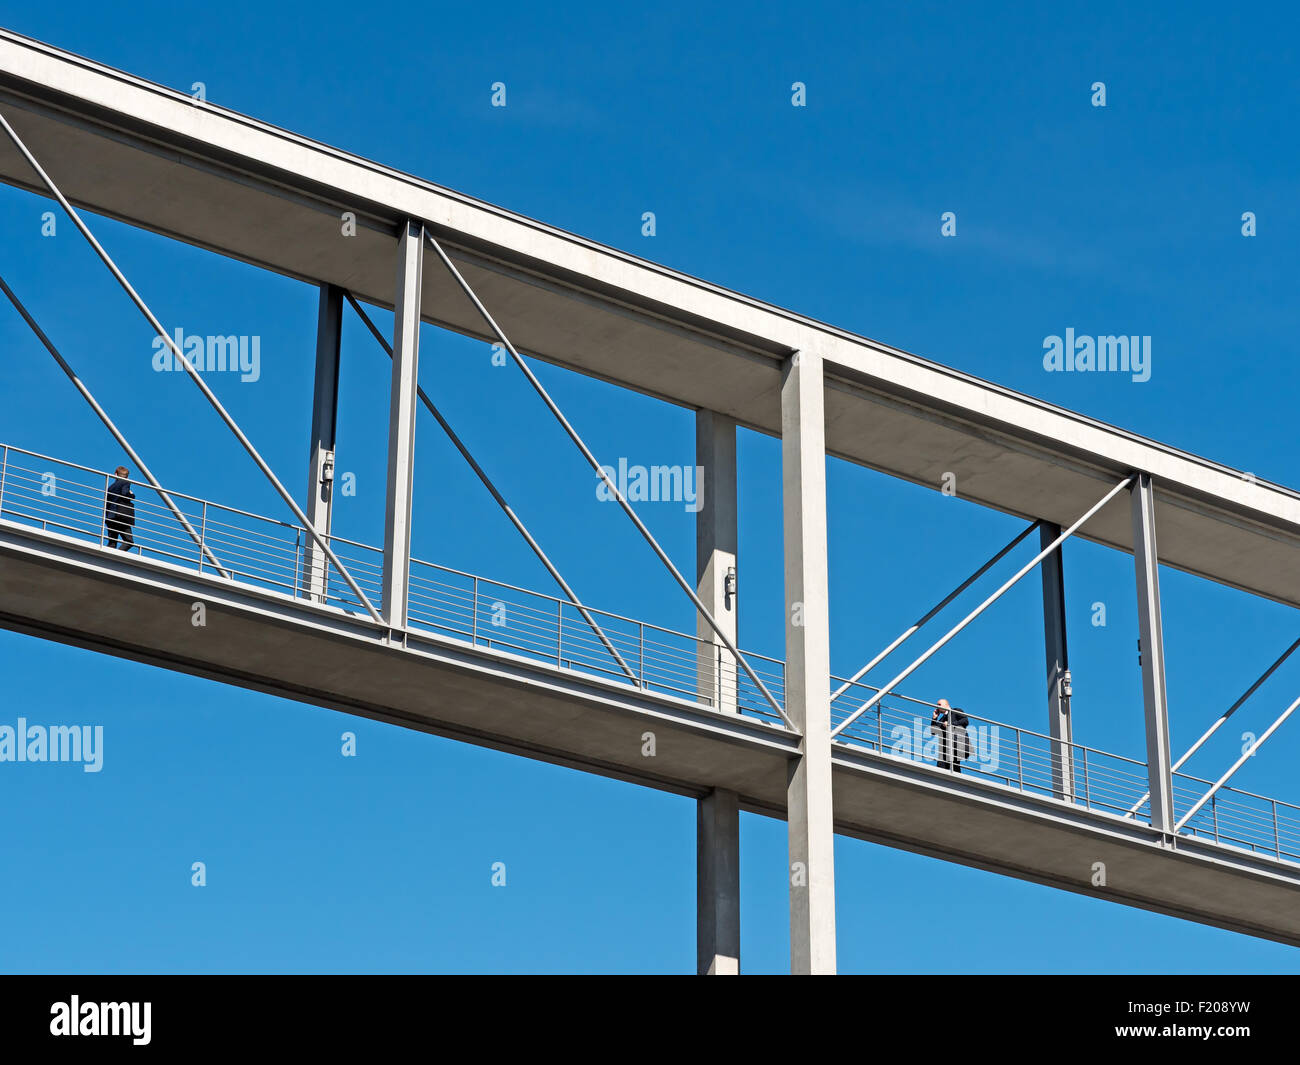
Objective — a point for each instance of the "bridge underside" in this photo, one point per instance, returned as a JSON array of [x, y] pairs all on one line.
[[65, 590]]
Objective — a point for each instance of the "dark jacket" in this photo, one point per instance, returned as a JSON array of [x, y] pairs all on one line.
[[954, 741], [119, 505]]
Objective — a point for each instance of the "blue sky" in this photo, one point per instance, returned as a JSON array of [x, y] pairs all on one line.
[[1123, 219]]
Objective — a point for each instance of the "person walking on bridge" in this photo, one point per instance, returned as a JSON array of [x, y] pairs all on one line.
[[119, 511]]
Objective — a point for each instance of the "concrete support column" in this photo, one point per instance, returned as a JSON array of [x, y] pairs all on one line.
[[1059, 727], [717, 879], [807, 679], [401, 423], [1151, 632], [324, 426], [715, 555], [718, 822]]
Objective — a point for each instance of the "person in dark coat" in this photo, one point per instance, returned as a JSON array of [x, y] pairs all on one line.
[[940, 727], [950, 726], [961, 746], [119, 511]]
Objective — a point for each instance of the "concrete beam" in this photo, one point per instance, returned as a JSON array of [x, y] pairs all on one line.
[[324, 426], [1151, 633], [807, 680], [1059, 726], [718, 821], [403, 399]]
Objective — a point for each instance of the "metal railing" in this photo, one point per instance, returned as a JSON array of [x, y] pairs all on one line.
[[505, 617], [69, 498], [1239, 818], [1032, 762], [276, 555]]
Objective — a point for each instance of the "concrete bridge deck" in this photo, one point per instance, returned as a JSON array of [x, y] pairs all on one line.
[[58, 582]]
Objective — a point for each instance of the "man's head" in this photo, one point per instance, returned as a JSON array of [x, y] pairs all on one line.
[[942, 707], [122, 471]]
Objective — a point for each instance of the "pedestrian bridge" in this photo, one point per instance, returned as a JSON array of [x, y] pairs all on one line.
[[518, 670], [292, 610]]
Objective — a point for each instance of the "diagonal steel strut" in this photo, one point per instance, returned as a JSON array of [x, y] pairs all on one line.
[[208, 394], [500, 499], [932, 612], [981, 608], [600, 472], [108, 424], [1224, 717], [1249, 753]]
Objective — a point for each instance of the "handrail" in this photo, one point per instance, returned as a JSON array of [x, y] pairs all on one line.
[[170, 491], [1018, 728]]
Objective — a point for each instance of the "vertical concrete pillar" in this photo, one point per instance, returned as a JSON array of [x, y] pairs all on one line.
[[715, 554], [401, 422], [1151, 632], [718, 820], [807, 679], [1059, 727], [717, 869], [324, 426]]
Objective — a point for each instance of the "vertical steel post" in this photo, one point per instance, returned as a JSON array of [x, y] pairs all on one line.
[[807, 639], [401, 423], [103, 521], [1059, 726], [1154, 695], [324, 429], [717, 838], [203, 533]]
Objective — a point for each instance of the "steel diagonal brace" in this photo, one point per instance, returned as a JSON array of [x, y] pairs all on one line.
[[1250, 753], [108, 424], [600, 472], [500, 499], [981, 608], [208, 394], [924, 618], [1224, 717]]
